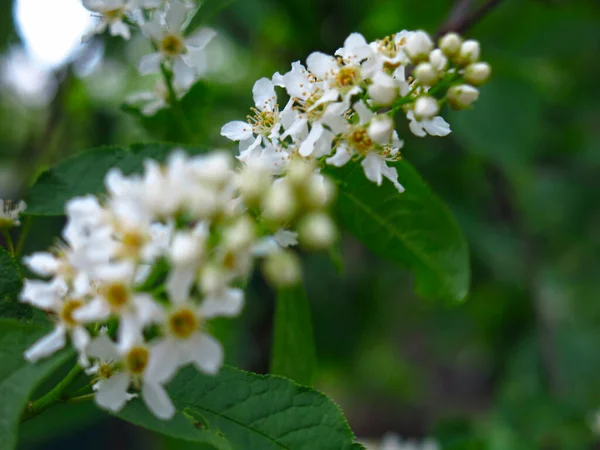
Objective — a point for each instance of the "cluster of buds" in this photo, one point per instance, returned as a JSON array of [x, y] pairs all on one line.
[[9, 214], [342, 107], [139, 275], [179, 56]]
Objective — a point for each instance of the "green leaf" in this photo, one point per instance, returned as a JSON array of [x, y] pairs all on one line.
[[180, 426], [84, 174], [414, 229], [10, 286], [265, 412], [18, 378], [293, 354]]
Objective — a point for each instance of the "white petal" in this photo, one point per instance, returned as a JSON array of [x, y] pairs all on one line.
[[179, 283], [355, 48], [372, 167], [201, 37], [44, 295], [165, 359], [111, 393], [95, 311], [47, 345], [156, 398], [364, 113], [437, 126], [153, 29], [184, 75], [130, 332], [147, 310], [392, 174], [237, 130], [264, 95], [102, 347], [120, 28], [228, 303], [306, 148], [176, 15], [341, 157], [286, 238], [42, 263], [328, 96], [150, 64], [322, 65], [206, 353], [80, 338]]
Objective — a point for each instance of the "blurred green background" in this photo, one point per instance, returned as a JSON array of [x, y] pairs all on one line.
[[517, 365]]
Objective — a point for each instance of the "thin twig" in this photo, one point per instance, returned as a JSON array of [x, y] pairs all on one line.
[[462, 18]]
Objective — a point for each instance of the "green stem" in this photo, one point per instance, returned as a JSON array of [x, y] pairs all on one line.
[[55, 396], [24, 233], [9, 242], [81, 398], [174, 102]]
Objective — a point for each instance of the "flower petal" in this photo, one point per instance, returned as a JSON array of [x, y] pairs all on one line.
[[42, 263], [47, 345], [165, 359], [264, 95], [111, 393], [206, 353], [322, 65], [228, 303], [201, 37], [341, 157], [156, 398], [236, 130], [150, 64], [372, 167]]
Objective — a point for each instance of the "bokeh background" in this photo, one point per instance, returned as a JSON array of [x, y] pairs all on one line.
[[517, 365]]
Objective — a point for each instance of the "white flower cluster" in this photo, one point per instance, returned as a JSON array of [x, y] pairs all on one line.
[[342, 107], [182, 58], [392, 441], [140, 274]]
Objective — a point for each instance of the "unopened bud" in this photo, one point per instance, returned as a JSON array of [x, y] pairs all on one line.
[[426, 107], [450, 44], [298, 172], [380, 129], [280, 203], [462, 96], [469, 52], [320, 192], [316, 231], [425, 74], [478, 73], [240, 235], [186, 248], [418, 46], [254, 182], [213, 278], [282, 269], [438, 60], [384, 90]]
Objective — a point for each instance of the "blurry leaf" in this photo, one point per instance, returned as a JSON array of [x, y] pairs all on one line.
[[505, 124], [414, 229], [18, 378], [10, 286], [84, 174], [253, 411], [207, 11], [179, 427], [293, 354]]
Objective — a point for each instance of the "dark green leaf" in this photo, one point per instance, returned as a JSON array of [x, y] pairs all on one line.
[[263, 412], [18, 378], [414, 229], [293, 354], [10, 286], [84, 174]]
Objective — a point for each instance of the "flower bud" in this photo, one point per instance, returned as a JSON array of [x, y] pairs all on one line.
[[469, 52], [438, 60], [478, 73], [418, 46], [463, 96], [213, 278], [316, 231], [240, 235], [282, 269], [380, 129], [254, 182], [426, 107], [450, 44], [186, 248], [320, 191], [280, 203], [298, 172], [425, 74], [384, 90]]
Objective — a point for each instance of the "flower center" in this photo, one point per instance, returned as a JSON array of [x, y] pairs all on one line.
[[68, 308], [263, 121], [114, 13], [116, 294], [183, 323], [347, 77], [314, 113], [360, 140], [132, 243], [137, 360], [172, 45], [105, 370]]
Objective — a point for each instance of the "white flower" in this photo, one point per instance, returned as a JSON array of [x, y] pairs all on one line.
[[117, 369], [469, 52], [113, 13], [151, 102], [392, 442], [435, 127], [477, 73], [418, 45], [426, 107], [450, 44], [53, 297], [186, 55], [9, 214], [462, 96]]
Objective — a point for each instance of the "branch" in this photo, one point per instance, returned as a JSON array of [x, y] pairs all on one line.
[[461, 17]]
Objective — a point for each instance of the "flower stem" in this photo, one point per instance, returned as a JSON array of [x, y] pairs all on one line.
[[24, 233], [9, 242], [52, 398], [174, 102], [81, 398]]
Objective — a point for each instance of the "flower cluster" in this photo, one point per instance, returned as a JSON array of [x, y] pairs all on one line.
[[140, 274], [392, 441], [9, 214], [342, 107], [180, 57]]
